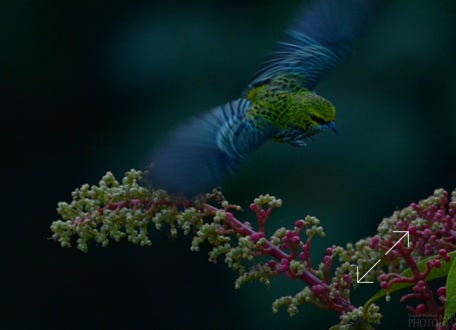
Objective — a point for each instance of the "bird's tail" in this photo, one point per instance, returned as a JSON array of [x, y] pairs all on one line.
[[200, 153]]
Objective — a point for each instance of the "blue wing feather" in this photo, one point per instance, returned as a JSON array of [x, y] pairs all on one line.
[[199, 154], [320, 38]]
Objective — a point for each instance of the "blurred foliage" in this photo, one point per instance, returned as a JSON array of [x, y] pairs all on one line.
[[91, 86]]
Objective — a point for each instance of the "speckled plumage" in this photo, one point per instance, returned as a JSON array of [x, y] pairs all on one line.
[[278, 105], [292, 109]]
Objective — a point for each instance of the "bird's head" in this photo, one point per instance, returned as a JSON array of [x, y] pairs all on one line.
[[310, 115], [313, 113]]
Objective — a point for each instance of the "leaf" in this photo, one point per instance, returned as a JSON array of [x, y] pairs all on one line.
[[434, 274], [450, 305]]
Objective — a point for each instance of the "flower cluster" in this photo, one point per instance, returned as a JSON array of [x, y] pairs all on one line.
[[113, 211], [431, 227]]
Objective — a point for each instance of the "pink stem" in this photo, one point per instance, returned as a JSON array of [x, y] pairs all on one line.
[[339, 303]]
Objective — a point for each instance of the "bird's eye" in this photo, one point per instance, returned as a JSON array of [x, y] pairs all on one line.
[[318, 120]]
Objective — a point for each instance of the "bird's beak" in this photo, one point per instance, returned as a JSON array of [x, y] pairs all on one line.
[[332, 127]]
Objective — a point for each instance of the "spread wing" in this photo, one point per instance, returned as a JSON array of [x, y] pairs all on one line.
[[320, 38], [201, 152]]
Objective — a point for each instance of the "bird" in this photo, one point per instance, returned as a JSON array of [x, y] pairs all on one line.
[[280, 103]]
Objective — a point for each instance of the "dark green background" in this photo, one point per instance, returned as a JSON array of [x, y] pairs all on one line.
[[91, 86]]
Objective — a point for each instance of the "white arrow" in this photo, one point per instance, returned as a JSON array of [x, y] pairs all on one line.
[[358, 280], [406, 233]]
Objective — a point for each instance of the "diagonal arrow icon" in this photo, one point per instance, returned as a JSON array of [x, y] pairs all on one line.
[[358, 280], [406, 234]]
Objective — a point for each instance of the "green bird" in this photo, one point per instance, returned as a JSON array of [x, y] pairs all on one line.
[[280, 104]]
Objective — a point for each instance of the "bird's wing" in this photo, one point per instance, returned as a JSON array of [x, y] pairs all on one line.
[[201, 152], [320, 38]]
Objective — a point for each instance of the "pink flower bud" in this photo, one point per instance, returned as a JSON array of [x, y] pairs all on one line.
[[443, 252], [290, 234], [300, 223], [284, 265], [256, 236], [284, 261], [295, 240], [427, 232], [421, 309], [418, 287], [416, 207], [441, 291], [317, 289], [374, 241], [272, 263]]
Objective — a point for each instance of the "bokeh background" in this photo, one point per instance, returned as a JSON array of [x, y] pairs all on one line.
[[91, 86]]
